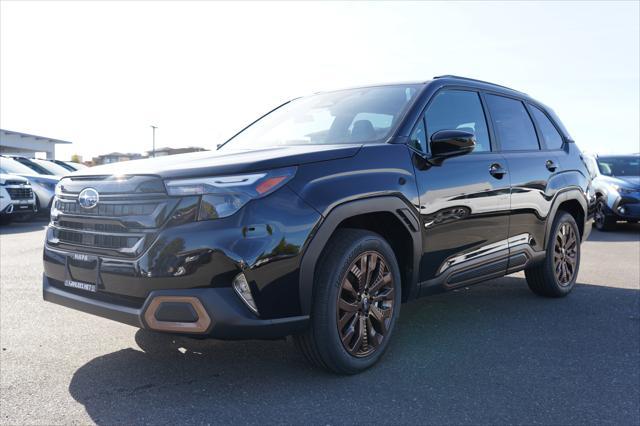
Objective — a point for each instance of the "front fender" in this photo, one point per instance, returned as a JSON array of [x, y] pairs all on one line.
[[399, 207]]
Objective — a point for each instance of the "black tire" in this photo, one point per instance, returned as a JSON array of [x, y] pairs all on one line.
[[603, 221], [321, 343], [544, 279], [5, 219]]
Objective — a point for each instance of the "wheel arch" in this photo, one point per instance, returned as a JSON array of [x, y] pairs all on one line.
[[390, 216], [574, 202]]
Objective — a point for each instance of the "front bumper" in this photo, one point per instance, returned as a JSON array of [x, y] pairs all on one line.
[[229, 318], [624, 207]]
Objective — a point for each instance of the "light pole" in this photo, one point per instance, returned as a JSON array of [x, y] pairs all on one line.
[[153, 129]]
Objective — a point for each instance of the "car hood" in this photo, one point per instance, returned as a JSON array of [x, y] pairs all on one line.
[[624, 181], [41, 178], [5, 177], [224, 161]]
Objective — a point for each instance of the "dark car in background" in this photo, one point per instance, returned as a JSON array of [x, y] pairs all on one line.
[[616, 183], [325, 215]]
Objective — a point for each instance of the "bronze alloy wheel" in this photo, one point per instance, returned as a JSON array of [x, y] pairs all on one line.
[[365, 304], [565, 254]]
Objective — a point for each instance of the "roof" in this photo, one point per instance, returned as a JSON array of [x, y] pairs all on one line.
[[457, 77], [36, 137]]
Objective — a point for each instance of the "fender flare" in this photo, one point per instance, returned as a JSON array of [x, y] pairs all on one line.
[[568, 194], [401, 208]]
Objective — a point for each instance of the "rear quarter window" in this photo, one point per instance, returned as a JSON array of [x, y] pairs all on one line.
[[552, 138]]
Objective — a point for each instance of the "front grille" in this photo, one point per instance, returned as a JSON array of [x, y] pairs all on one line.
[[20, 193], [122, 224], [113, 210]]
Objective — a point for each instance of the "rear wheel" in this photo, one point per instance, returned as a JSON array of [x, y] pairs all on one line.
[[556, 276], [602, 220], [356, 303]]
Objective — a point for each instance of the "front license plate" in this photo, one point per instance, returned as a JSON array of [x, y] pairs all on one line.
[[83, 272], [80, 285]]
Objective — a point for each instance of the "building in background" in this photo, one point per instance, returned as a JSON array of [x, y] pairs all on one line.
[[161, 152], [26, 145], [115, 157]]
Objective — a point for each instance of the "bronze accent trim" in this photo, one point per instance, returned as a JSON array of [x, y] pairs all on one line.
[[200, 326]]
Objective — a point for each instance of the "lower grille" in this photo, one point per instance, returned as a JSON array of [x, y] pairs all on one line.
[[20, 193], [96, 240], [632, 209]]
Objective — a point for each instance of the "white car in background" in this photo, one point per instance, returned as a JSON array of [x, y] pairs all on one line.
[[17, 199], [44, 186]]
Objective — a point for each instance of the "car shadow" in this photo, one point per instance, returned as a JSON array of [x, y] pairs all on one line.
[[494, 353], [35, 224], [623, 232]]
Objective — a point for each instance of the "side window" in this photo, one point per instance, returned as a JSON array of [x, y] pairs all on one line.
[[418, 139], [458, 110], [512, 123], [551, 137]]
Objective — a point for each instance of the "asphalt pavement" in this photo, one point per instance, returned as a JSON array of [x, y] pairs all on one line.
[[490, 354]]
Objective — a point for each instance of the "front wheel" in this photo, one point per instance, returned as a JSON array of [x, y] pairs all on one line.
[[556, 276], [356, 303]]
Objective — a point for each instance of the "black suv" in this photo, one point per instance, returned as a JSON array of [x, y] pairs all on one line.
[[322, 217]]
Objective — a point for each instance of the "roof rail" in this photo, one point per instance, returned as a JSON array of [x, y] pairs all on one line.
[[477, 81]]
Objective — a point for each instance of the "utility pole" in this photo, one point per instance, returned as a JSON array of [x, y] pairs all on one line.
[[153, 129]]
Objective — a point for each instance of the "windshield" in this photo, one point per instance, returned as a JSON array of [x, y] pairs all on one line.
[[54, 168], [75, 166], [619, 166], [347, 116], [33, 166], [9, 165]]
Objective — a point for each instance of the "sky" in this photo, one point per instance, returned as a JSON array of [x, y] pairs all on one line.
[[100, 74]]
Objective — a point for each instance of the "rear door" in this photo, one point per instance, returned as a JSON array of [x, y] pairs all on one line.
[[464, 201], [535, 174]]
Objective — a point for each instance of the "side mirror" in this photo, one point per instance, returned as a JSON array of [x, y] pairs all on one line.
[[449, 143]]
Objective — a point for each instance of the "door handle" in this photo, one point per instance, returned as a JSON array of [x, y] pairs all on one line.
[[551, 166], [497, 171]]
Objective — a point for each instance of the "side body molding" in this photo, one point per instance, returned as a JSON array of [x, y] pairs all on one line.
[[402, 209]]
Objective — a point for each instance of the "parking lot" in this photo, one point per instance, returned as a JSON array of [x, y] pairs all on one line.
[[493, 353]]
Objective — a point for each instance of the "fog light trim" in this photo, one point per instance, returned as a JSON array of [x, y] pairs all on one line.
[[200, 326], [241, 287]]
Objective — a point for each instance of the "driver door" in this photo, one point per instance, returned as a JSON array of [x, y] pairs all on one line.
[[464, 200]]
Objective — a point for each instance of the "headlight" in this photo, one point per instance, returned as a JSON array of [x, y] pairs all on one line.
[[222, 196], [623, 190]]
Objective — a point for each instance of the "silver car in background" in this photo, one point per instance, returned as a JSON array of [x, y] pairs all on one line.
[[616, 183], [44, 186]]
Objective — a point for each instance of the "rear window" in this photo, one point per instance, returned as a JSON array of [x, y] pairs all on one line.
[[513, 125]]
